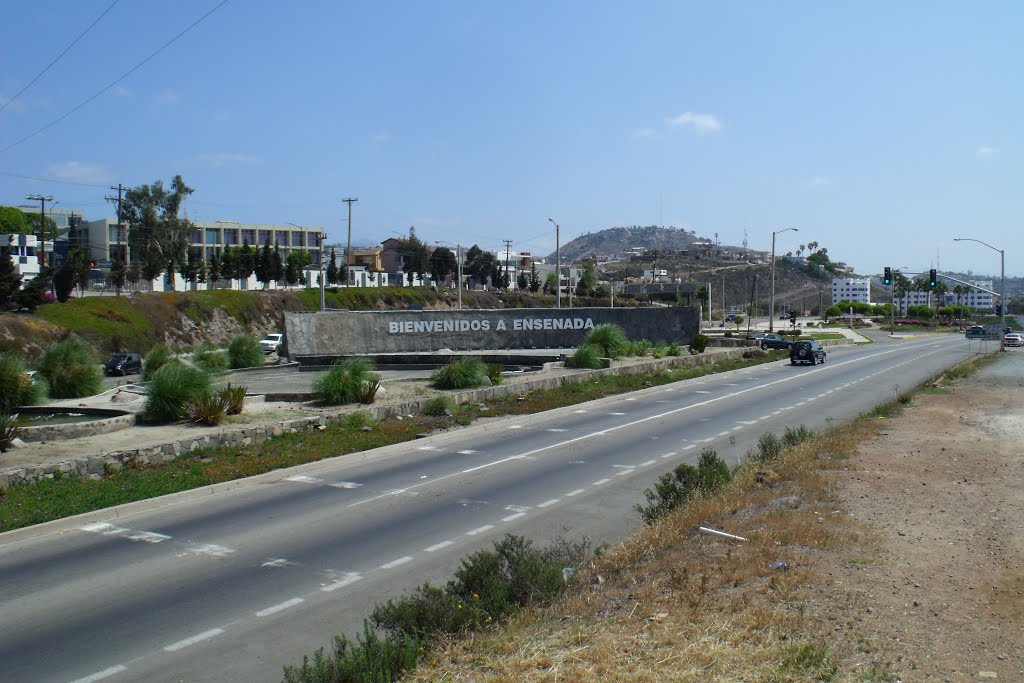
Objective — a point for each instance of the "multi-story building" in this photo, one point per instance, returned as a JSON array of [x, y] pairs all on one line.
[[23, 251], [972, 298], [851, 289]]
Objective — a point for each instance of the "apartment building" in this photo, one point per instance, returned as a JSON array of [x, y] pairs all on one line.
[[851, 289]]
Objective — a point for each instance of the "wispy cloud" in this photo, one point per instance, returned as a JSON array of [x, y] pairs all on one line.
[[644, 132], [702, 123], [818, 180], [986, 151], [80, 172], [380, 138], [167, 98], [224, 158]]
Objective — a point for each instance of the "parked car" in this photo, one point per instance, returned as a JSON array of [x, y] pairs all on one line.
[[123, 363], [271, 343], [1013, 339], [770, 340], [806, 351]]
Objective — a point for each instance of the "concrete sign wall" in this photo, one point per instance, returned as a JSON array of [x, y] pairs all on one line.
[[337, 333]]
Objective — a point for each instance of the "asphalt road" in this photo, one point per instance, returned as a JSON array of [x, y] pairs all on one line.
[[231, 586]]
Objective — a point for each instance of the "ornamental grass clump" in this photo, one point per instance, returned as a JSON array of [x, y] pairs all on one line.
[[16, 385], [244, 352], [156, 358], [234, 394], [587, 356], [208, 408], [8, 430], [350, 381], [609, 338], [172, 389], [210, 359], [439, 406], [462, 373], [70, 370]]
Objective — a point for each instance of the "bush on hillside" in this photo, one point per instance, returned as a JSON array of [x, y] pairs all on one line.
[[676, 488], [244, 352], [70, 370], [461, 373], [171, 390], [16, 386], [156, 358], [350, 381]]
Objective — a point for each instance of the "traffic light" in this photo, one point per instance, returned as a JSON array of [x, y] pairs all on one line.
[[887, 277], [931, 278]]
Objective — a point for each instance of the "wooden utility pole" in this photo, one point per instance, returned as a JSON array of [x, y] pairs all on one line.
[[348, 249], [120, 191]]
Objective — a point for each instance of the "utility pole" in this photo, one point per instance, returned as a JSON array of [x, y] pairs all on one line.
[[120, 192], [508, 247], [42, 223], [348, 249], [558, 264]]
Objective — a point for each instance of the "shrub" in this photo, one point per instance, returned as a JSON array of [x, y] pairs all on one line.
[[348, 381], [796, 435], [640, 347], [157, 357], [494, 372], [210, 359], [674, 349], [234, 395], [609, 338], [370, 658], [8, 430], [357, 420], [587, 356], [467, 372], [699, 343], [70, 370], [674, 489], [769, 447], [208, 408], [438, 406], [172, 389], [16, 386], [244, 352]]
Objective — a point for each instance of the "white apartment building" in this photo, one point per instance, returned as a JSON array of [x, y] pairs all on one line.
[[23, 251], [975, 298], [851, 289]]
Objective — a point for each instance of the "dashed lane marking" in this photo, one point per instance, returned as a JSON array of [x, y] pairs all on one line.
[[548, 503], [348, 580], [601, 482], [437, 546], [395, 563], [280, 607], [645, 463], [480, 529], [574, 493], [468, 451], [346, 485], [198, 638], [557, 429], [512, 518], [108, 529], [100, 675]]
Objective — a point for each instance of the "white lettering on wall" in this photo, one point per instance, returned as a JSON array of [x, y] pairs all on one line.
[[484, 325]]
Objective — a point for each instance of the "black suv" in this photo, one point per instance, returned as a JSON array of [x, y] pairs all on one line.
[[806, 351], [123, 364]]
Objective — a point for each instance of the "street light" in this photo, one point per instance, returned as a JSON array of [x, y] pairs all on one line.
[[771, 297], [558, 264], [323, 238], [458, 263], [1002, 287]]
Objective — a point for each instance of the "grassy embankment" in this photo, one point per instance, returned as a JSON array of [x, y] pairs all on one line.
[[53, 499]]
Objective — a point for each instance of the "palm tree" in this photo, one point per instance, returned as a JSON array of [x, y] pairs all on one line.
[[940, 291]]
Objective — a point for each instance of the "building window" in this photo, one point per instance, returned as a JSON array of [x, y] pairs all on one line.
[[231, 237], [266, 236], [297, 239], [282, 237], [212, 236], [249, 237]]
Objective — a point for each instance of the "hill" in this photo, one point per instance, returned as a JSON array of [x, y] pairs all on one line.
[[621, 239]]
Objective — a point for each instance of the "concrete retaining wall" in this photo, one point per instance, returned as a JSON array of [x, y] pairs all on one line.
[[96, 466], [338, 333]]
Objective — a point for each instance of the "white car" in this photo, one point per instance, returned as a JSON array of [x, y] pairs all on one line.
[[1013, 339], [271, 343]]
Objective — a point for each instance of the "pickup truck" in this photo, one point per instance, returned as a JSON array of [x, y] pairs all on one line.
[[271, 343]]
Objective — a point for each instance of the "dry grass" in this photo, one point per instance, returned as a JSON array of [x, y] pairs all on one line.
[[672, 604]]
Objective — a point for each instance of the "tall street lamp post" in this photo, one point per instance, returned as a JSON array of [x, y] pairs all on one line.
[[1002, 287], [458, 265], [771, 297], [558, 264]]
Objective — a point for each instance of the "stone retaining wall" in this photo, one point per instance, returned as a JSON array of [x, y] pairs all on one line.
[[96, 466]]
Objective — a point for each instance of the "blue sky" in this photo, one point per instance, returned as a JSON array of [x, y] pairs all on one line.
[[881, 130]]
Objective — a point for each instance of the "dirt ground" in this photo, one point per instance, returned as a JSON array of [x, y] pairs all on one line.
[[942, 487]]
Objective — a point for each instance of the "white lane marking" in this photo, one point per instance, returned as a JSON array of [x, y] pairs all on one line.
[[512, 518], [341, 583], [776, 412], [669, 454], [276, 562], [426, 448], [725, 433], [574, 493], [517, 508], [689, 446], [657, 416], [198, 638], [100, 675], [624, 467], [708, 440], [280, 607], [662, 400], [746, 422], [395, 563], [764, 417], [702, 391], [303, 479], [580, 412], [601, 482], [616, 414], [557, 429], [467, 451], [211, 549], [480, 529], [737, 428], [346, 485], [646, 463], [731, 384], [108, 529], [548, 503], [437, 546]]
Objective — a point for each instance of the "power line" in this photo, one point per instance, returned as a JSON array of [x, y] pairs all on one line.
[[57, 58], [50, 180], [115, 82]]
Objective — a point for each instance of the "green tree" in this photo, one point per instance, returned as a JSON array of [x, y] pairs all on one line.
[[154, 228], [523, 282], [32, 294], [551, 283], [13, 221], [10, 280], [134, 274], [416, 256], [118, 273], [297, 262], [534, 280], [263, 264], [332, 269], [443, 264], [67, 277], [215, 269], [278, 267]]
